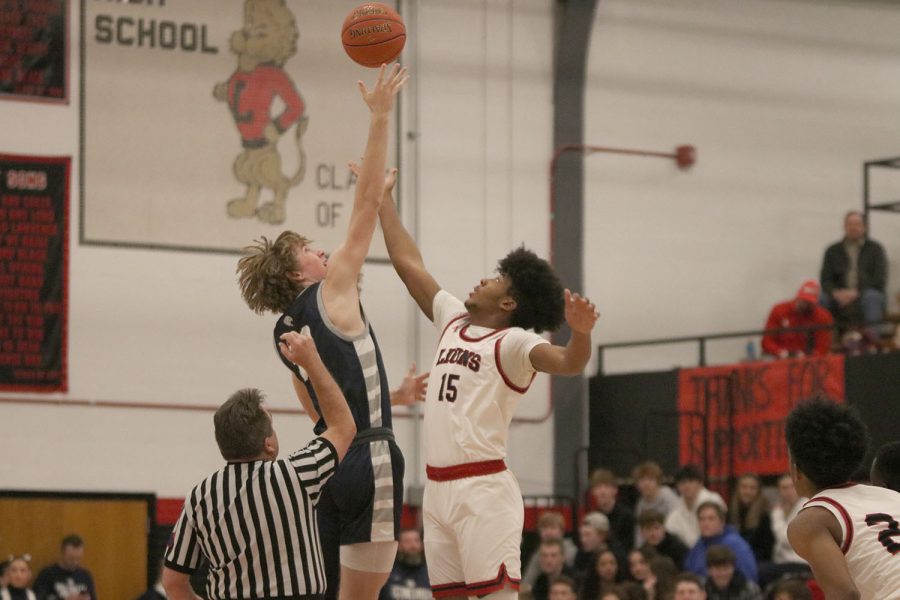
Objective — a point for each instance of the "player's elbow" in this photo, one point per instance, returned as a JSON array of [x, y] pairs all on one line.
[[341, 436], [345, 430]]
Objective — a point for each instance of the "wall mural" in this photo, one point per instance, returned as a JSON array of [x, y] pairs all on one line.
[[208, 123]]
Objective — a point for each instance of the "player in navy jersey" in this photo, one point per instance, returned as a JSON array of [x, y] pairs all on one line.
[[359, 513]]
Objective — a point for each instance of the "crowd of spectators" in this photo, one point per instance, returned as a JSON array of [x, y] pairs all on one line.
[[65, 579], [672, 545]]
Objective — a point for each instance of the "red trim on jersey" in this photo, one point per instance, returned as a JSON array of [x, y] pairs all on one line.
[[452, 321], [462, 334], [483, 588], [506, 379], [848, 524], [475, 469], [448, 589]]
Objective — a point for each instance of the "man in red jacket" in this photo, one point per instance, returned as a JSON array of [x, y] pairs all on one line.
[[803, 311]]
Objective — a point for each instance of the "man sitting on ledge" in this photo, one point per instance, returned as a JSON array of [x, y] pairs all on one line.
[[803, 311]]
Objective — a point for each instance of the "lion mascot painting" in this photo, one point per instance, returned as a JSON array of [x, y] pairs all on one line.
[[264, 44]]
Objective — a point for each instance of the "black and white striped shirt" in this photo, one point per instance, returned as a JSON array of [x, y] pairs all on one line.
[[255, 524]]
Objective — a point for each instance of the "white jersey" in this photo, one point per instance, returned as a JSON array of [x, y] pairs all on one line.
[[476, 381], [868, 517]]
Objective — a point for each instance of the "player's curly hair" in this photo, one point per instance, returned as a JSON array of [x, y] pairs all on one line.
[[827, 441], [887, 465], [536, 289], [264, 272]]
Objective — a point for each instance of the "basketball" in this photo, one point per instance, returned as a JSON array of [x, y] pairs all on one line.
[[373, 34]]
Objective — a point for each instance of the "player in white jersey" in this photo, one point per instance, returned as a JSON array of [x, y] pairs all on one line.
[[485, 362], [847, 532]]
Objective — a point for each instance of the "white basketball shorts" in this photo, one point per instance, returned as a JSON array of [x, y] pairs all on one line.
[[472, 534]]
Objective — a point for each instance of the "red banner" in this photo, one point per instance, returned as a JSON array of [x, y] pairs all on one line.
[[745, 407]]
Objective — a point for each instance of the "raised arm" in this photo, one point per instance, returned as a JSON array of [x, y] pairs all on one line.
[[301, 350], [404, 253], [581, 315], [305, 401], [814, 535], [340, 288]]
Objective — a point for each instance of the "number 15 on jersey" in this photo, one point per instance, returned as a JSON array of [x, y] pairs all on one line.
[[448, 387]]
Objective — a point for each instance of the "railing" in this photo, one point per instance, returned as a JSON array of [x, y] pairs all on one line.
[[702, 340]]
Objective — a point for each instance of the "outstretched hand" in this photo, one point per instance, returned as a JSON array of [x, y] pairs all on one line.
[[298, 348], [380, 98], [581, 314], [412, 389]]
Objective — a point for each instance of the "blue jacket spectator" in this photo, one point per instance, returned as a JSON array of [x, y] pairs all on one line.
[[713, 532]]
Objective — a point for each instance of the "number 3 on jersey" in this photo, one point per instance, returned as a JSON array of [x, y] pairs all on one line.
[[448, 387]]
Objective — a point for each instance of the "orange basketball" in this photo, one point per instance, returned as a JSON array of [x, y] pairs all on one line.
[[373, 34]]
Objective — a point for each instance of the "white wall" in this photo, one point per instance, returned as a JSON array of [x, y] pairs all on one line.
[[784, 101], [167, 327]]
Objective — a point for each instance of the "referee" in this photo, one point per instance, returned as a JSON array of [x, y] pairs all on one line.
[[254, 520]]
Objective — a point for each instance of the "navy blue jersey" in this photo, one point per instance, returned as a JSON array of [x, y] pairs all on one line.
[[354, 362], [364, 499]]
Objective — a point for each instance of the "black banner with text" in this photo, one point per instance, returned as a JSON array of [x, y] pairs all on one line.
[[34, 248]]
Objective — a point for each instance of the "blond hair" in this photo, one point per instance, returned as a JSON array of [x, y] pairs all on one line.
[[264, 272], [551, 518]]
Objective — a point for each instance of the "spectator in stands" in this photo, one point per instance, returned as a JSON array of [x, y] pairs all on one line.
[[785, 560], [409, 577], [631, 590], [802, 311], [604, 491], [563, 588], [886, 467], [603, 577], [156, 591], [792, 589], [552, 565], [67, 578], [683, 520], [664, 573], [655, 536], [689, 587], [854, 275], [648, 478], [593, 535], [639, 563], [551, 525], [749, 514], [724, 582], [714, 531], [655, 573], [4, 575], [18, 577]]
